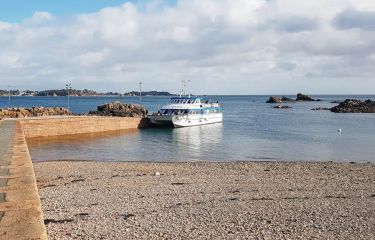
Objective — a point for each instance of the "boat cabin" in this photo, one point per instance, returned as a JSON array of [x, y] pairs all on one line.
[[185, 100]]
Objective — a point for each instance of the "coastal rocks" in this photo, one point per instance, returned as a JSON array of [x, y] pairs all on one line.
[[117, 109], [286, 99], [282, 107], [320, 109], [32, 112], [303, 97], [300, 98], [355, 106], [274, 99]]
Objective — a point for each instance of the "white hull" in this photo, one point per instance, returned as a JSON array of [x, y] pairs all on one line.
[[187, 120]]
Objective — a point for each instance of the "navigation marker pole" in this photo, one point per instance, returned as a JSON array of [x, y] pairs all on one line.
[[68, 87], [140, 93], [9, 96]]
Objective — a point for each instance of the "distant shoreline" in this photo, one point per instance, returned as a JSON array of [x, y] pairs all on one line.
[[77, 92], [222, 95]]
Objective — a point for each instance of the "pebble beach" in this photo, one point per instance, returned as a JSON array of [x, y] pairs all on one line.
[[207, 200]]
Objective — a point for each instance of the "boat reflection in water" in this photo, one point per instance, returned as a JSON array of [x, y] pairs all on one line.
[[198, 140]]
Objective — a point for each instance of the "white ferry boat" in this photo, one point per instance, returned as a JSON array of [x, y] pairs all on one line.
[[186, 111]]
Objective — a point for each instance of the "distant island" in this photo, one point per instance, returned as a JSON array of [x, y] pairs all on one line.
[[149, 93], [76, 92]]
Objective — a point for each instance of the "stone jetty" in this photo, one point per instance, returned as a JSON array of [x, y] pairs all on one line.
[[32, 112], [21, 216]]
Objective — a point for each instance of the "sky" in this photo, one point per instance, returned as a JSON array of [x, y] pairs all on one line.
[[221, 46]]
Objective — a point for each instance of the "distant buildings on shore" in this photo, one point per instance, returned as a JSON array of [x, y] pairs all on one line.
[[75, 92]]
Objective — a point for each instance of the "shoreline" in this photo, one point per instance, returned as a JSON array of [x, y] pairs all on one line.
[[202, 161], [199, 200]]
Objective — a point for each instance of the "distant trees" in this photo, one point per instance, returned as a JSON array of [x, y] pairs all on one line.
[[76, 92], [148, 93], [12, 92]]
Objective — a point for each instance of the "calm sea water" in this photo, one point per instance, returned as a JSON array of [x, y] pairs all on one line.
[[252, 130]]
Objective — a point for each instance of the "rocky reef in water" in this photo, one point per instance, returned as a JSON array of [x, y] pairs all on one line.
[[32, 112], [274, 99], [355, 106], [118, 109], [282, 107], [305, 98], [300, 98]]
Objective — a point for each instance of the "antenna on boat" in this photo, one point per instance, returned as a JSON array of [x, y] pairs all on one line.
[[183, 89], [189, 88]]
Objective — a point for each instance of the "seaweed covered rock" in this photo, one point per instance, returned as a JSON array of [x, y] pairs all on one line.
[[118, 109], [355, 106], [32, 112]]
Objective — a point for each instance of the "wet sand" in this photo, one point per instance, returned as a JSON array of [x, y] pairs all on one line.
[[202, 200]]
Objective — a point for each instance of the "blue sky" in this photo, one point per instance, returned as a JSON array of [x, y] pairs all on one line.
[[18, 10], [222, 46]]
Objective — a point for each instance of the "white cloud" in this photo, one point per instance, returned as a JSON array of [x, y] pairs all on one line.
[[5, 26], [41, 17], [223, 46]]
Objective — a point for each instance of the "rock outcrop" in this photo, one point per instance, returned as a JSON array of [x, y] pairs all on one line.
[[355, 106], [286, 99], [274, 99], [117, 109], [32, 112], [320, 109], [282, 107], [303, 97]]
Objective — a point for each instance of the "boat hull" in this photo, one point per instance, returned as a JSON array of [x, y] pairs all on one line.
[[196, 120], [186, 120], [163, 120]]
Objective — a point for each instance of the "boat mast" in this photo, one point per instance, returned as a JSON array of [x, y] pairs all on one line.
[[183, 90], [189, 88]]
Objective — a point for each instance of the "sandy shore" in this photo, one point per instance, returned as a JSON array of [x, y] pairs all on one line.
[[97, 200]]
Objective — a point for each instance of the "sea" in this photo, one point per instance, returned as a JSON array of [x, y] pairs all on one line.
[[252, 130]]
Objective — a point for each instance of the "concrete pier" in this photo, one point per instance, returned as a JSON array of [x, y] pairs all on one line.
[[21, 216]]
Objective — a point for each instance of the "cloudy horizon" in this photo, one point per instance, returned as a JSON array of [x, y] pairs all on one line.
[[222, 46]]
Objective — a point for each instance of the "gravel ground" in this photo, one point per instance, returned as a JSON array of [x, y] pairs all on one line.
[[202, 200]]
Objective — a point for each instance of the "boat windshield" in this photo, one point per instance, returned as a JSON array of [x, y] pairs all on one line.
[[185, 101], [174, 111]]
